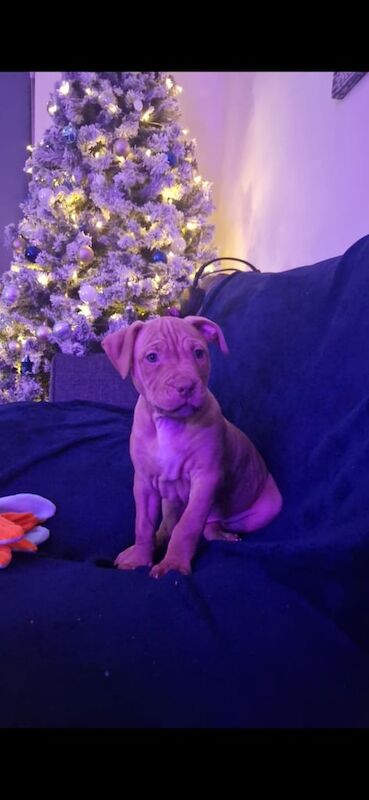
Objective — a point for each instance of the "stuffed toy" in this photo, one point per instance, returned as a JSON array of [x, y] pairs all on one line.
[[20, 515]]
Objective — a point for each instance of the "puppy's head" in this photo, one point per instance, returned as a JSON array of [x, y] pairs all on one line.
[[168, 359]]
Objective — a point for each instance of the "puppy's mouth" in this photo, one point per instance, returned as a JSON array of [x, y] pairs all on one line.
[[182, 411]]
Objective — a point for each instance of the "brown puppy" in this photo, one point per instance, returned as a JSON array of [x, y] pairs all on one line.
[[199, 470]]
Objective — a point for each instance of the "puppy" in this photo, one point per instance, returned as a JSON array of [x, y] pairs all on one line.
[[191, 464]]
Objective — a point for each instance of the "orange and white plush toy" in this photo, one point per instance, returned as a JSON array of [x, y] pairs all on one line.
[[20, 515]]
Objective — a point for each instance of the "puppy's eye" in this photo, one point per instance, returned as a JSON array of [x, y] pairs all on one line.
[[199, 353], [151, 357]]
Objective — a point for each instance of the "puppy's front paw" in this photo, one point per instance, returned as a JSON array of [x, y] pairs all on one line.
[[133, 557], [168, 564]]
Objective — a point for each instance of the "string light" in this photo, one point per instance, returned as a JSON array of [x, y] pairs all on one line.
[[185, 131], [64, 88], [99, 224], [179, 89], [43, 279], [29, 170], [52, 109], [15, 268], [192, 224], [168, 83], [198, 179], [171, 193], [30, 148], [85, 310], [147, 114], [148, 153], [89, 91]]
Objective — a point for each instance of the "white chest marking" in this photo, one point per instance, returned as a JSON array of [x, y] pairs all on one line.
[[170, 453]]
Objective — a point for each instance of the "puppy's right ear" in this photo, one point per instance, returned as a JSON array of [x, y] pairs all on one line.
[[119, 347]]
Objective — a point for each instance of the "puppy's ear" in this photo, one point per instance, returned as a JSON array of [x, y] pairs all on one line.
[[210, 331], [119, 347]]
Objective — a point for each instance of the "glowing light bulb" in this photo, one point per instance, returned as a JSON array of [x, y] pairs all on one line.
[[168, 83], [99, 224], [185, 131], [30, 148], [29, 170], [85, 310], [198, 179], [43, 279], [89, 91], [148, 152], [64, 88], [53, 108], [147, 114], [179, 89], [15, 268], [113, 108], [192, 224]]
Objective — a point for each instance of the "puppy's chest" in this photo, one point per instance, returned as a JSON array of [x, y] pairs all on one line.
[[171, 456]]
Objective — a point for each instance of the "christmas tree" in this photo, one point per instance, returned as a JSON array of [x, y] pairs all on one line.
[[114, 225]]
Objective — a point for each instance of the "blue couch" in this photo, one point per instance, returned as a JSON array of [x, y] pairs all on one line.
[[270, 632]]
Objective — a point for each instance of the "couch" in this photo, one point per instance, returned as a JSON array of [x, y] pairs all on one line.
[[271, 632]]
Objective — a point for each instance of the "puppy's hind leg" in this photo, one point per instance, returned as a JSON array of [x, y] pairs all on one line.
[[213, 532]]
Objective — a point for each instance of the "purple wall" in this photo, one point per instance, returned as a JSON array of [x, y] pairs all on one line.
[[15, 134]]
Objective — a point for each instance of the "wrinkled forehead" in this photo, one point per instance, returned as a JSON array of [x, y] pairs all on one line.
[[168, 334]]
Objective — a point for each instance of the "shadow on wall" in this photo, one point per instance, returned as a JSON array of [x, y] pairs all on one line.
[[15, 135]]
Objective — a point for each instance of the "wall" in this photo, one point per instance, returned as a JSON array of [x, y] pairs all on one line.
[[15, 134], [290, 166]]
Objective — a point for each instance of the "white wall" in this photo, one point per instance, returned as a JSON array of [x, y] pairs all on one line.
[[290, 166]]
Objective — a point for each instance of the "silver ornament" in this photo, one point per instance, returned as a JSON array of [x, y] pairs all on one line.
[[61, 330], [44, 197], [88, 294], [9, 294], [86, 254], [43, 332]]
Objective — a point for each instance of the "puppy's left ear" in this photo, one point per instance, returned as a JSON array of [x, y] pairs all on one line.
[[210, 331]]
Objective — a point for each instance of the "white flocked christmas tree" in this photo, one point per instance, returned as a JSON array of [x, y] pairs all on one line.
[[114, 225]]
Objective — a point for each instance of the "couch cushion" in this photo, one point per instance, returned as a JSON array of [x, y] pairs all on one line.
[[76, 454], [83, 646]]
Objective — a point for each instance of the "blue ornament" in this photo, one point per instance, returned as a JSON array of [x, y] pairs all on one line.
[[157, 256], [69, 134], [172, 159], [32, 252], [26, 366]]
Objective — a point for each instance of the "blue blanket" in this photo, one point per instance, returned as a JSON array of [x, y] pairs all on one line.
[[270, 632]]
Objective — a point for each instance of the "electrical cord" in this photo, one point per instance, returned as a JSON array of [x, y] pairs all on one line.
[[193, 297]]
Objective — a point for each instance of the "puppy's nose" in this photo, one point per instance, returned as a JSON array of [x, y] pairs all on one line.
[[185, 387]]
